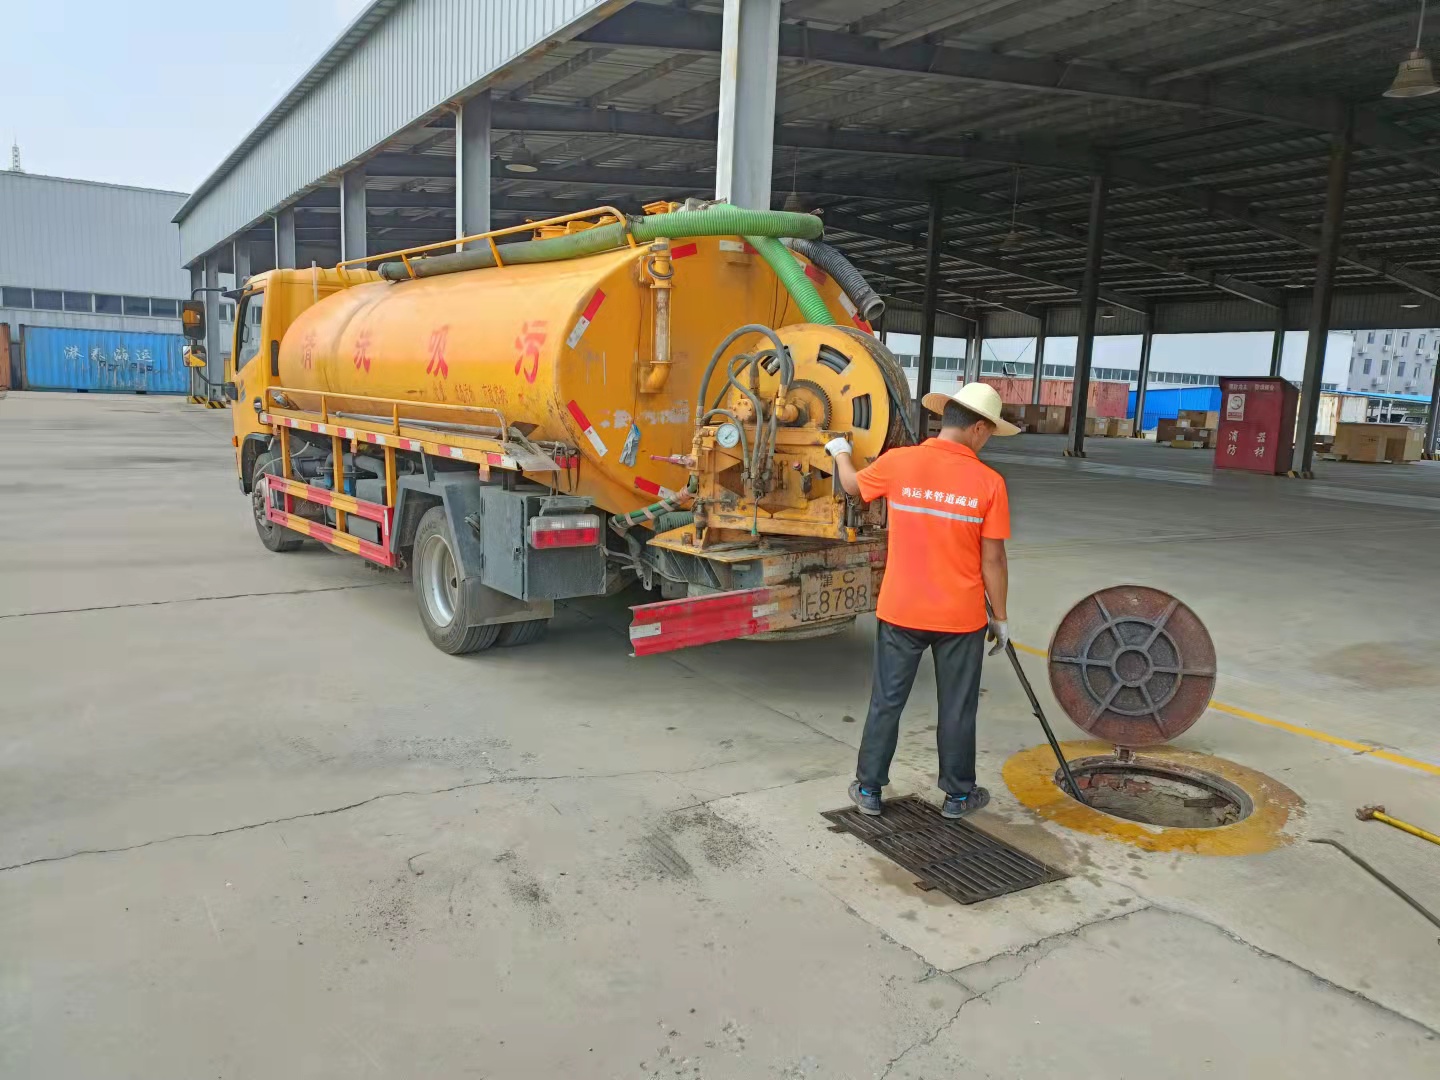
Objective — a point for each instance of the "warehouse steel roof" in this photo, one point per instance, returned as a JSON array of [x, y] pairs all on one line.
[[1214, 121]]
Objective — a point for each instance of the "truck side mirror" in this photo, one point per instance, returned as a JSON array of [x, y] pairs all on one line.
[[192, 319]]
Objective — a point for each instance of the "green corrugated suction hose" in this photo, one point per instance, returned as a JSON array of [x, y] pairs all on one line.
[[680, 225], [792, 275]]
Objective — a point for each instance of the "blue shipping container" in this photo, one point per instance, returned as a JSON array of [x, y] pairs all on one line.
[[1166, 404], [65, 359]]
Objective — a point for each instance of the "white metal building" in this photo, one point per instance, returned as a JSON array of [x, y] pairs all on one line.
[[85, 255]]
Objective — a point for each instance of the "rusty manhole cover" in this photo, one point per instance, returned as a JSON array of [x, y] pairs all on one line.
[[1132, 665]]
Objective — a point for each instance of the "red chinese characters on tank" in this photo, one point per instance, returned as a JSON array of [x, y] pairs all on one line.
[[528, 344], [437, 366], [362, 352]]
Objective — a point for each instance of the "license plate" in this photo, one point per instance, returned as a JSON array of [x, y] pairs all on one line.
[[834, 594]]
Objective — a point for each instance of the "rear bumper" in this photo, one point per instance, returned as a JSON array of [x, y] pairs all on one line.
[[801, 592]]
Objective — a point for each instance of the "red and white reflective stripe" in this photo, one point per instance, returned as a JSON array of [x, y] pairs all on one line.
[[815, 274], [735, 246], [676, 624], [652, 488], [862, 324], [684, 251], [848, 304], [589, 429], [453, 451], [586, 318]]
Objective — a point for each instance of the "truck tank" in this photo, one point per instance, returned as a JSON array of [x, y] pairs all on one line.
[[569, 351]]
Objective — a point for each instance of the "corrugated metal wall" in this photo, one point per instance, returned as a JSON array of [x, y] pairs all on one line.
[[1166, 404], [81, 320], [59, 359], [84, 237], [425, 53]]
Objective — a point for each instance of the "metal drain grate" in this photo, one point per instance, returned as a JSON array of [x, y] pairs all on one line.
[[953, 856]]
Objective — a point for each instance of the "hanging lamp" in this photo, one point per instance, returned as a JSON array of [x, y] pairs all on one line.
[[1414, 77]]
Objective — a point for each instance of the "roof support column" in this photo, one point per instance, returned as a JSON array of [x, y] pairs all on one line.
[[284, 223], [214, 339], [934, 238], [1303, 457], [973, 350], [472, 166], [1142, 377], [1277, 344], [745, 139], [352, 215], [1037, 379], [1089, 309], [240, 260], [1432, 427], [197, 282]]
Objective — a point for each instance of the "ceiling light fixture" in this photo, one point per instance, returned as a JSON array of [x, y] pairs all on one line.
[[1107, 313], [1410, 303], [1414, 77], [522, 160]]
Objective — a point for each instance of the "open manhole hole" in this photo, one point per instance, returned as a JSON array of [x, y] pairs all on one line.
[[1158, 793]]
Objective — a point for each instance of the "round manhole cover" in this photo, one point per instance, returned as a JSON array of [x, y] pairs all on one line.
[[1132, 665]]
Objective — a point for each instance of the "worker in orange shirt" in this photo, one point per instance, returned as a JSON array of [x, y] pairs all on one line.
[[949, 517]]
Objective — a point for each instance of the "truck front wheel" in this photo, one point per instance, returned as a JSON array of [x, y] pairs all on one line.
[[272, 536], [436, 579]]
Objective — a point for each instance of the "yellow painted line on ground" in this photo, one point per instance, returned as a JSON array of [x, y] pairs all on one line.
[[1296, 729]]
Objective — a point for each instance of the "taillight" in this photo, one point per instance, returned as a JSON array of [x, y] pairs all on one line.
[[564, 531]]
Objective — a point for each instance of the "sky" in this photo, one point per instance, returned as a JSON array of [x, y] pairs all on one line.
[[153, 93]]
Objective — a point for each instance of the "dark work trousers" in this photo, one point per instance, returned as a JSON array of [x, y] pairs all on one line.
[[957, 677]]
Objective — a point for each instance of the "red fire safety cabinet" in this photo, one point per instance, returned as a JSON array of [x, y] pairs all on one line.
[[1257, 424]]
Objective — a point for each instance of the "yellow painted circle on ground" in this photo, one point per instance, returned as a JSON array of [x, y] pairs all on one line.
[[1030, 776]]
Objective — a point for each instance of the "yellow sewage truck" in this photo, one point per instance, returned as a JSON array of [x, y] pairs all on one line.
[[556, 410]]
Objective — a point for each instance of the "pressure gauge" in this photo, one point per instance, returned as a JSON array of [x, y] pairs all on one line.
[[728, 436]]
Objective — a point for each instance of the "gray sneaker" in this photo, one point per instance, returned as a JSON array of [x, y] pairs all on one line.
[[957, 806], [867, 802]]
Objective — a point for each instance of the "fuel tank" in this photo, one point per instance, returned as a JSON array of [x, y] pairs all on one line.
[[565, 351]]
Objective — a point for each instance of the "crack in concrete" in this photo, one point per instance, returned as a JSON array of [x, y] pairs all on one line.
[[1054, 942], [198, 599], [1328, 983], [464, 785]]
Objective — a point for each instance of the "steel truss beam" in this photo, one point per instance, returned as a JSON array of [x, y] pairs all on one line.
[[644, 26]]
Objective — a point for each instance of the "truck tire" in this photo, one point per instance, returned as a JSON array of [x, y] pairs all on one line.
[[522, 633], [438, 595], [274, 537]]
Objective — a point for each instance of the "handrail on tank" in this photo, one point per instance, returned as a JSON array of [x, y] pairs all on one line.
[[394, 403], [404, 254]]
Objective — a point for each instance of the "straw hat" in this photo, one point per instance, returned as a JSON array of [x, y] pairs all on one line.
[[980, 398]]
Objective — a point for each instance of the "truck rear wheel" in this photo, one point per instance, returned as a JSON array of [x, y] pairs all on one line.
[[274, 537], [522, 633], [436, 579]]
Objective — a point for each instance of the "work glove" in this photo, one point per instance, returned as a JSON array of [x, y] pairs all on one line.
[[999, 633], [837, 446]]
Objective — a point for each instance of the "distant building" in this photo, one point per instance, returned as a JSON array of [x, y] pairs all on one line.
[[80, 259], [1394, 361], [80, 254]]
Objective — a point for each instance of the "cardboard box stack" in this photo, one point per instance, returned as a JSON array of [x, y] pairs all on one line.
[[1096, 425], [1188, 434], [1048, 419], [1116, 428], [1395, 443]]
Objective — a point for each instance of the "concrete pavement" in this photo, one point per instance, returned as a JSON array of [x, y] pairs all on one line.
[[254, 825]]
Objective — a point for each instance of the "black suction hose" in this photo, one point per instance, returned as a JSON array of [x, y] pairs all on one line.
[[866, 300]]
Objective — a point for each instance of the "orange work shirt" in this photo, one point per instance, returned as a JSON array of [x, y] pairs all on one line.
[[943, 501]]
